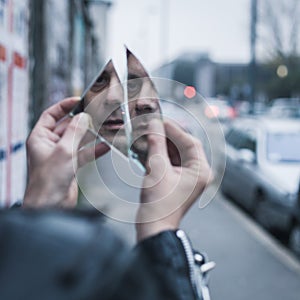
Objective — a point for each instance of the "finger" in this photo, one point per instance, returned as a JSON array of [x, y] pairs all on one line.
[[75, 132], [157, 138], [61, 127], [189, 148], [53, 114], [91, 153], [157, 153]]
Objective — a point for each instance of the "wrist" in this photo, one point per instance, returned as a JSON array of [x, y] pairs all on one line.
[[38, 191], [34, 193], [146, 230]]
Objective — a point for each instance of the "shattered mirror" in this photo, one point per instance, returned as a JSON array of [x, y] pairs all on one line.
[[104, 102], [121, 111], [143, 106], [121, 102]]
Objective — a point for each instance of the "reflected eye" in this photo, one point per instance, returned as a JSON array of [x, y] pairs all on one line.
[[134, 86], [101, 82]]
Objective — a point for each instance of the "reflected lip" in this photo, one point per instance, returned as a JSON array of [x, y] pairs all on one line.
[[113, 124]]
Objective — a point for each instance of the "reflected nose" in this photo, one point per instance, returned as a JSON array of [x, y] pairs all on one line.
[[146, 106], [114, 94]]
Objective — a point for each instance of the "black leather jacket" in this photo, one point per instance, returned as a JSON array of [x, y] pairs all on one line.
[[74, 255]]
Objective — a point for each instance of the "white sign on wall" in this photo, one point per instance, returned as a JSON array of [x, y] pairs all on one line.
[[14, 97]]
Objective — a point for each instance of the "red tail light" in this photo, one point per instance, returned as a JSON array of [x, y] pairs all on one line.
[[212, 111]]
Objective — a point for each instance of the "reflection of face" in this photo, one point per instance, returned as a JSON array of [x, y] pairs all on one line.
[[143, 104], [102, 102]]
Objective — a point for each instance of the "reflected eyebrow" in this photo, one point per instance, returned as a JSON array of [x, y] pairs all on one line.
[[135, 76], [132, 76], [108, 73], [138, 71], [109, 70]]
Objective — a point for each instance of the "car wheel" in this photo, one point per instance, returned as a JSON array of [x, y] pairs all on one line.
[[294, 241]]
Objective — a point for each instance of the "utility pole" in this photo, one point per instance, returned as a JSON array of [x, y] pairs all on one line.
[[38, 57], [252, 66], [164, 33]]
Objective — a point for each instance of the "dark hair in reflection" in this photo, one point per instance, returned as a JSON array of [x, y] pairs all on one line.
[[139, 72]]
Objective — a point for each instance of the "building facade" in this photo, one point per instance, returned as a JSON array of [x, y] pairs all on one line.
[[208, 77], [14, 98], [49, 50]]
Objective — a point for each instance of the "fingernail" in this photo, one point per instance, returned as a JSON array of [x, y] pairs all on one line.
[[88, 120], [83, 118]]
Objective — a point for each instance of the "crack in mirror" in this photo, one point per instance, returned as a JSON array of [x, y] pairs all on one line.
[[143, 106], [107, 100]]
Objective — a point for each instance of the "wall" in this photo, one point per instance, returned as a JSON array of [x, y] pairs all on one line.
[[14, 98], [47, 49]]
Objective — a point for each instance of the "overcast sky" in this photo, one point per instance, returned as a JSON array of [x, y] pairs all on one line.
[[159, 30]]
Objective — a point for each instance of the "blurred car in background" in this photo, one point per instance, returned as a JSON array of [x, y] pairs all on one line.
[[263, 168], [294, 238], [180, 114], [219, 109], [259, 108], [285, 101], [243, 108], [284, 108]]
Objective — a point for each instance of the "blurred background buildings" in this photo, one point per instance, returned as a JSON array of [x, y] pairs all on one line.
[[67, 43], [48, 50]]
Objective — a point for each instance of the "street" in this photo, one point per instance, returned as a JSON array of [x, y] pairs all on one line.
[[250, 263]]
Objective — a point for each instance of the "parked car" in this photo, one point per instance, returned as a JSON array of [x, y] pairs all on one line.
[[263, 168], [243, 108], [219, 109], [180, 114], [285, 108], [285, 101], [294, 238]]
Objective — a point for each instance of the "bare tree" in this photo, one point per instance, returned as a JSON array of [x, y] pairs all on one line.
[[279, 27]]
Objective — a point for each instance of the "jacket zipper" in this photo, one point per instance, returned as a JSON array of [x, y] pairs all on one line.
[[190, 258]]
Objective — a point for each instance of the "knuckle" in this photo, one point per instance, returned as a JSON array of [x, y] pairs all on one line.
[[63, 150], [45, 113], [152, 140], [197, 143]]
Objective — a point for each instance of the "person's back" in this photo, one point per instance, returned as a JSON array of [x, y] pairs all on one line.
[[74, 255]]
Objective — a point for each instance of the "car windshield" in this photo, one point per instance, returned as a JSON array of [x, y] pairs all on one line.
[[283, 147]]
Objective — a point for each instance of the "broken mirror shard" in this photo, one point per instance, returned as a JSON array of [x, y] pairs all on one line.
[[143, 106], [104, 102]]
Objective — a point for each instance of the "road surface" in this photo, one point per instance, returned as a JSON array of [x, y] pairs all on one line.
[[250, 263]]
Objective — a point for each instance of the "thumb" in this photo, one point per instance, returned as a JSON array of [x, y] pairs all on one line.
[[158, 153], [76, 131]]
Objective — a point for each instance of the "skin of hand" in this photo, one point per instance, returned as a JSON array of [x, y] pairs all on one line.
[[177, 174], [53, 156]]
